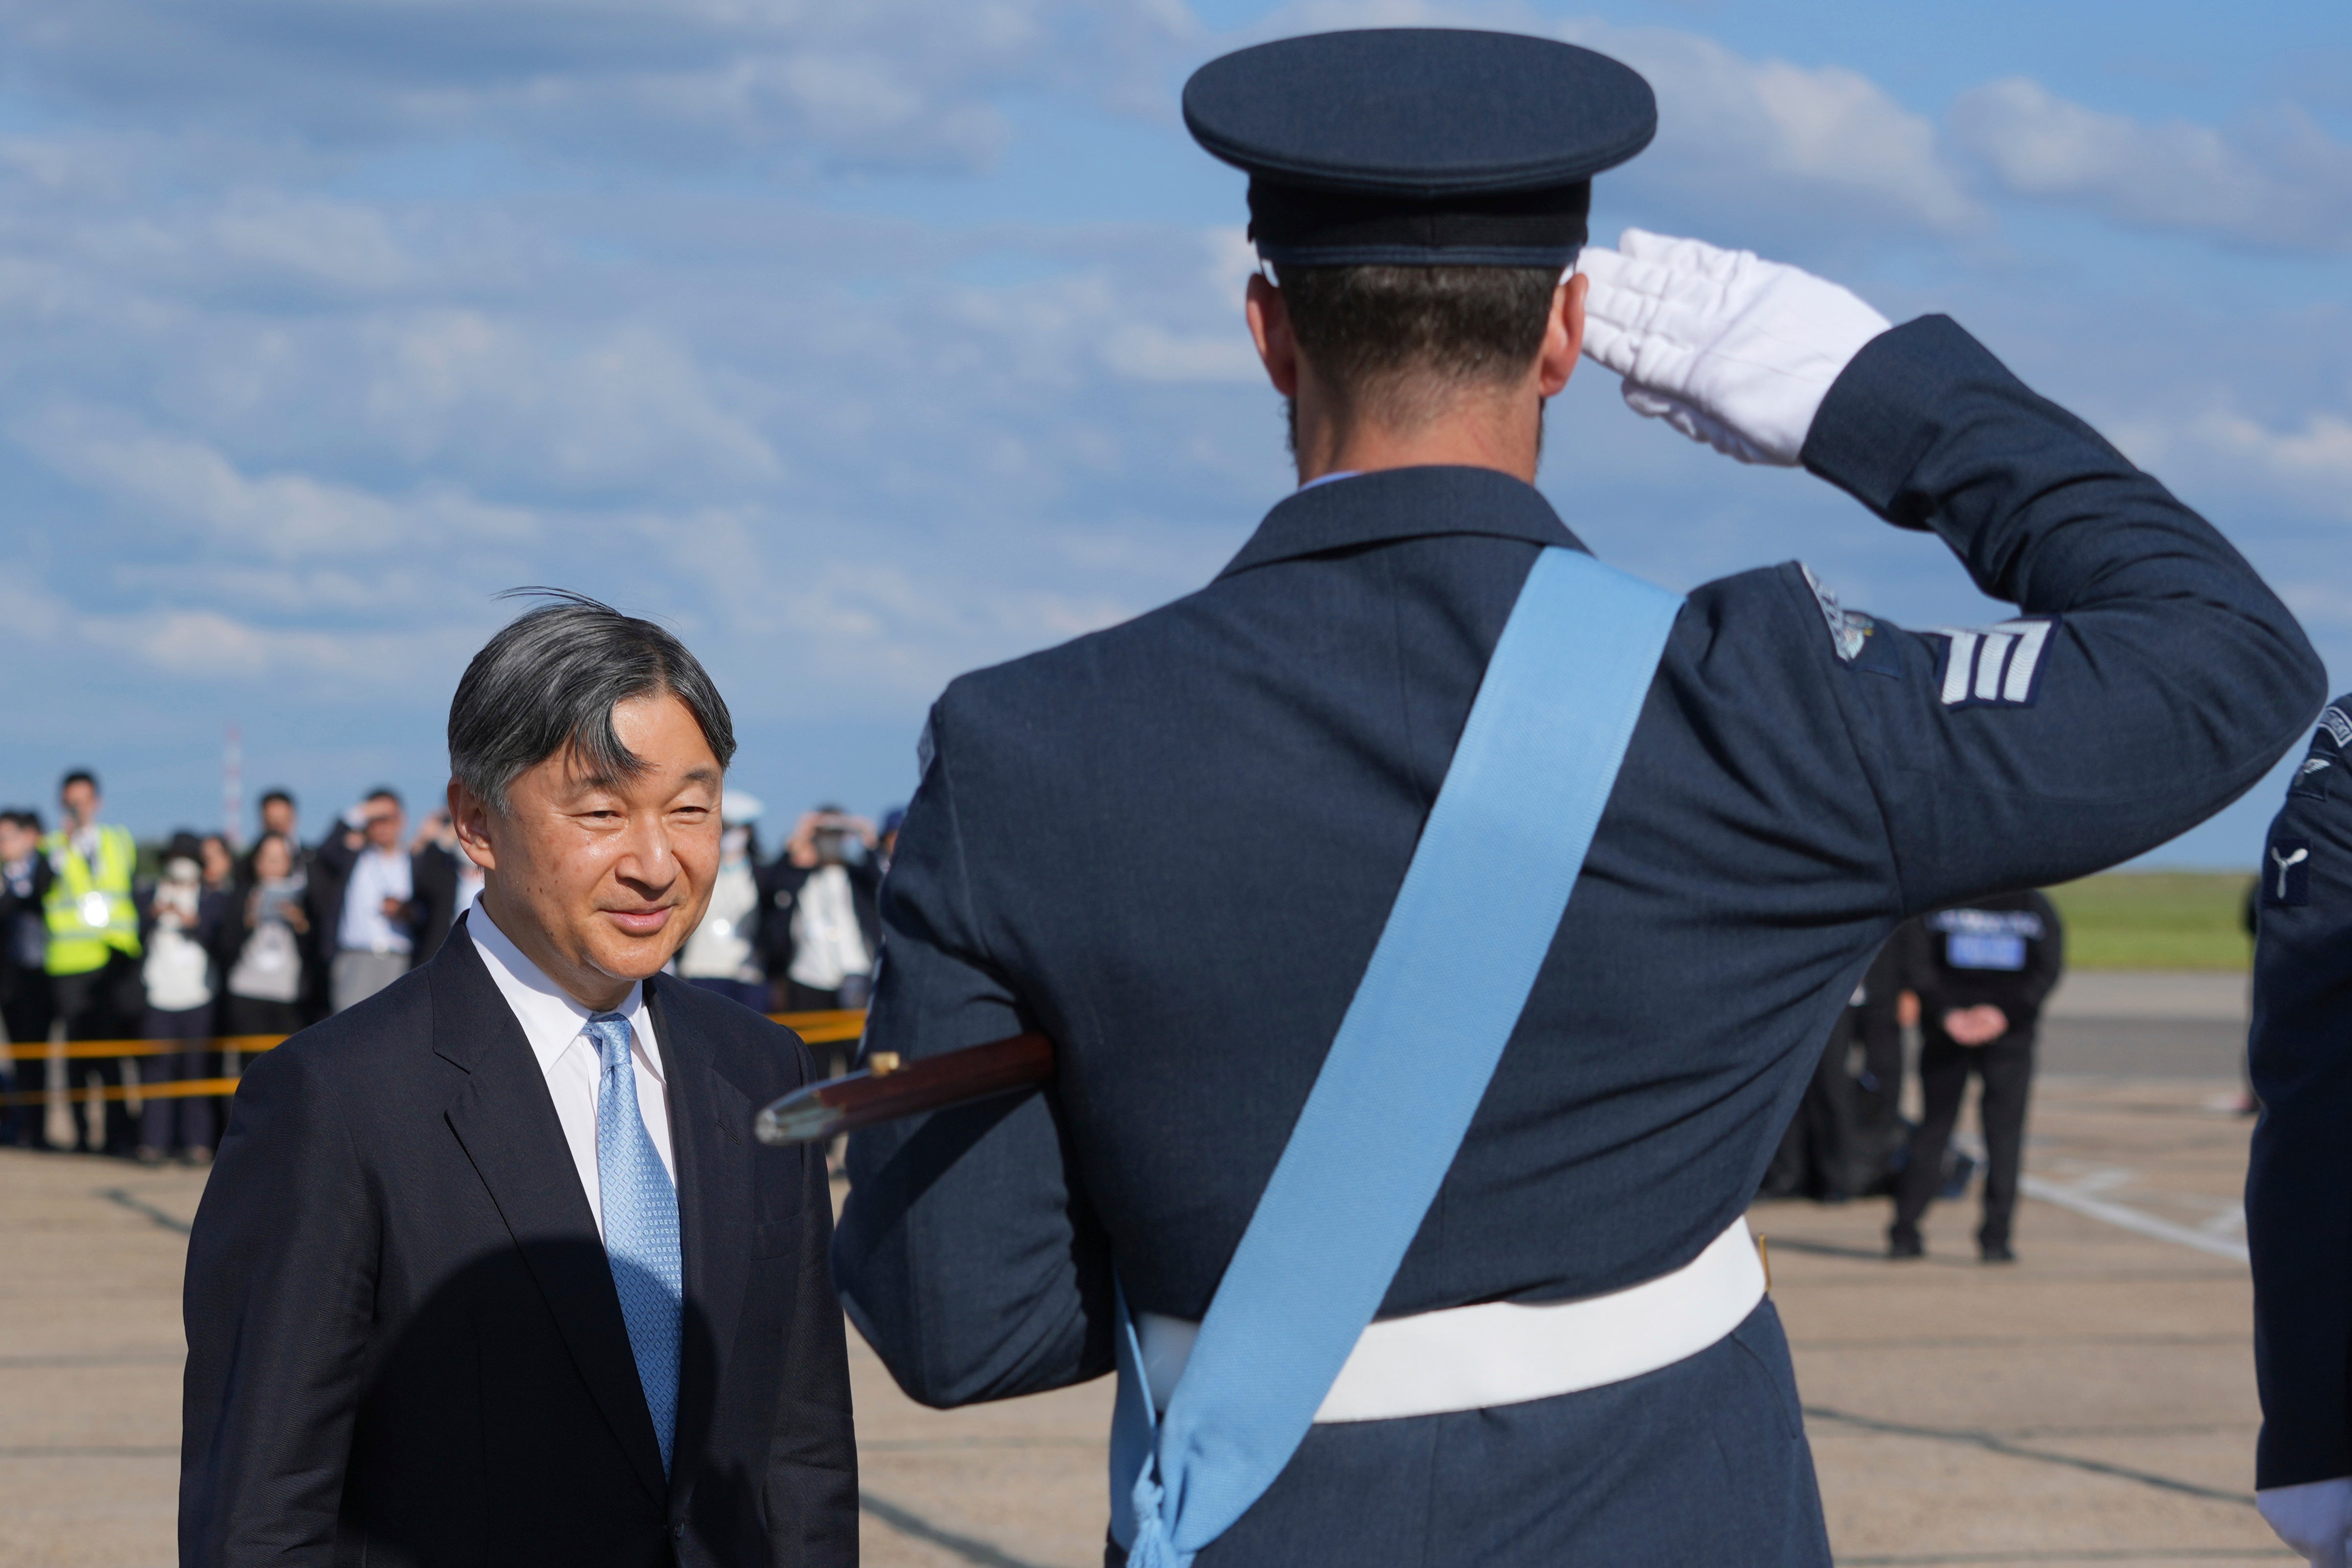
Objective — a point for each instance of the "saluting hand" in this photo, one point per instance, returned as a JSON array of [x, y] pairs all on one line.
[[1725, 347]]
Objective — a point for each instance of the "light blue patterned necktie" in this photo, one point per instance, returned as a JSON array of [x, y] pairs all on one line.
[[640, 1207]]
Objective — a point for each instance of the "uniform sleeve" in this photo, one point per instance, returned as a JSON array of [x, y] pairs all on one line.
[[2150, 679], [2299, 1172], [277, 1303], [964, 1255]]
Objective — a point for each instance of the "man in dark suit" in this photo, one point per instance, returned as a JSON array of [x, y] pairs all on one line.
[[1981, 971], [1172, 844], [489, 1270], [2299, 1176]]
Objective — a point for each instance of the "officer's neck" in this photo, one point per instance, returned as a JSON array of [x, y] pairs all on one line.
[[1503, 430]]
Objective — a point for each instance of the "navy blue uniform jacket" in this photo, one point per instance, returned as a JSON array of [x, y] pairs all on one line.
[[403, 1342], [1171, 846], [2299, 1179]]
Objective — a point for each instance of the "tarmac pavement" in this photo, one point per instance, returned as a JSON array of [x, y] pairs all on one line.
[[2093, 1404]]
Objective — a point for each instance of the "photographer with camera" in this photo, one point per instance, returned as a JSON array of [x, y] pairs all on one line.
[[825, 928]]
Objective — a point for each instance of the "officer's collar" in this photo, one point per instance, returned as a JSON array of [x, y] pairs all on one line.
[[1401, 503]]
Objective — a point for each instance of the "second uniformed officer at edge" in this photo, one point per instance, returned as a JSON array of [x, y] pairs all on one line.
[[1186, 846]]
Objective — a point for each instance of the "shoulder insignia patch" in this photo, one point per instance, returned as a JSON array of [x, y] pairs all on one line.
[[2312, 779], [2330, 744], [1994, 667], [1858, 641]]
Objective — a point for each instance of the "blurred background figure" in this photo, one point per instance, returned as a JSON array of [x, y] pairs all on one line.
[[24, 950], [1981, 972], [1873, 1021], [93, 953], [725, 953], [887, 844], [824, 924], [279, 816], [1817, 1151], [266, 942], [184, 915], [363, 900], [447, 882]]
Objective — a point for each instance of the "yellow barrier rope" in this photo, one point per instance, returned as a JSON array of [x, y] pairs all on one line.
[[814, 1028]]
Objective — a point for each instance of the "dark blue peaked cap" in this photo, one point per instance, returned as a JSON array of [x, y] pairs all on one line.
[[1420, 146]]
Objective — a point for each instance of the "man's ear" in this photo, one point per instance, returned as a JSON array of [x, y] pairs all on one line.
[[1269, 325], [469, 818], [1563, 337]]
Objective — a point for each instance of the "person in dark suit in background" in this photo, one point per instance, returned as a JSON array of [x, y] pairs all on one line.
[[24, 947], [489, 1269], [435, 860], [1873, 1022], [1837, 1144], [1981, 971], [2299, 1174]]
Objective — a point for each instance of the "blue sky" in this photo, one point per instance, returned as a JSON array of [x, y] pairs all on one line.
[[868, 341]]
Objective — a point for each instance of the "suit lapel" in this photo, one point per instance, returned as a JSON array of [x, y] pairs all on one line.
[[506, 1121], [710, 1120]]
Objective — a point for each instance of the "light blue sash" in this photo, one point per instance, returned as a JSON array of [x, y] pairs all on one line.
[[1479, 908]]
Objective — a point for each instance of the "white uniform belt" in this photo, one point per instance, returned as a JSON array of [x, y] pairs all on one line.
[[1503, 1353]]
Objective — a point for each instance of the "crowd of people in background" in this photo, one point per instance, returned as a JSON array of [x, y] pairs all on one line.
[[207, 942], [201, 943]]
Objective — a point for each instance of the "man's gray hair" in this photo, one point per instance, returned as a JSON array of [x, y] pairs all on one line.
[[552, 678]]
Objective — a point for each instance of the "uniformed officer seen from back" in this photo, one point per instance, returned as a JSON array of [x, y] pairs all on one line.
[[1177, 846], [2299, 1178]]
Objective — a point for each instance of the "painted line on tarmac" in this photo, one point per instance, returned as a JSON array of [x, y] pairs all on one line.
[[140, 1206], [906, 1521], [1992, 1444], [2089, 1202]]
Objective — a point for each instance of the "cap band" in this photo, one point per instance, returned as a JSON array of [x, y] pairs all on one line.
[[1298, 228]]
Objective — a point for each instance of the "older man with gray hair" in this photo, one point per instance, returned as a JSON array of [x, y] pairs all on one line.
[[489, 1270]]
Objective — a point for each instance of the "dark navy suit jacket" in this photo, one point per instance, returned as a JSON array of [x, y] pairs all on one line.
[[2299, 1179], [404, 1346], [1171, 846]]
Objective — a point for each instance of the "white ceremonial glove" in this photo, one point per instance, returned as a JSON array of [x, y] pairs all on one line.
[[1729, 349], [2313, 1519]]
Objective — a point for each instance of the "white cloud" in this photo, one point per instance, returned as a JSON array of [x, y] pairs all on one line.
[[819, 82], [2222, 451], [2278, 181], [1143, 351], [1767, 135], [1739, 139], [188, 484]]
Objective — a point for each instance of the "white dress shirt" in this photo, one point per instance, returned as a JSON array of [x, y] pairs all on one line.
[[828, 946], [376, 875], [557, 1028]]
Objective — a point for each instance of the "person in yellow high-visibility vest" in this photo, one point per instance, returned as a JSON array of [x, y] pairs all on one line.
[[93, 947]]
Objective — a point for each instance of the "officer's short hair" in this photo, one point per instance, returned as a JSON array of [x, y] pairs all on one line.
[[1385, 338], [286, 795], [80, 775], [552, 678]]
